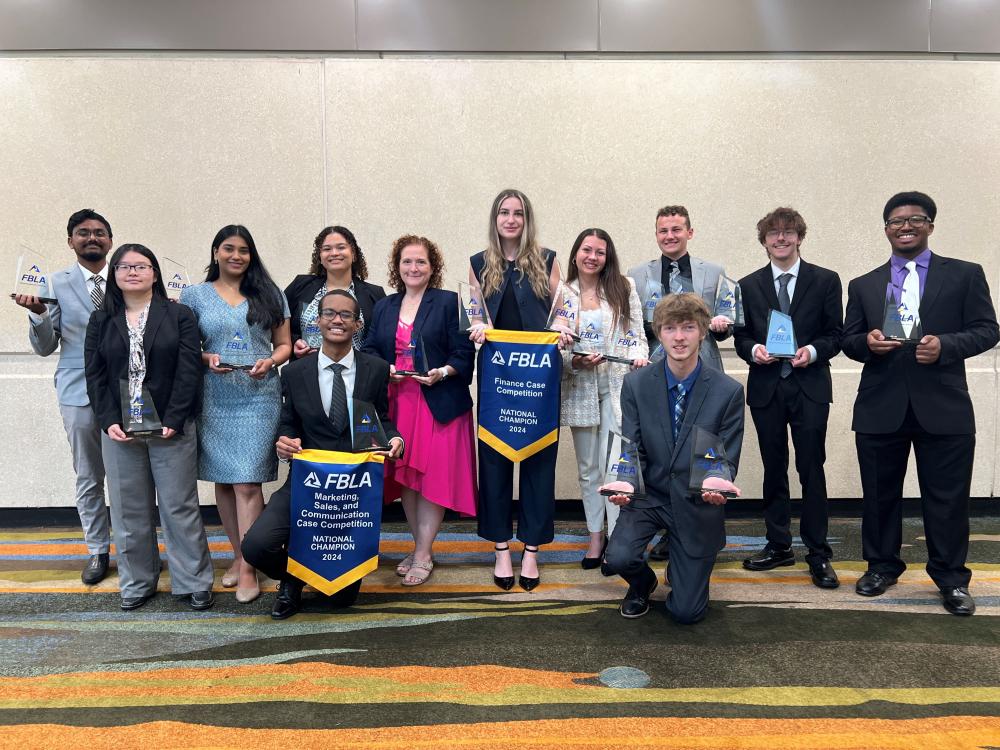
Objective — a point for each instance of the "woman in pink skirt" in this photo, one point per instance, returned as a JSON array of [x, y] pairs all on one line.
[[416, 331]]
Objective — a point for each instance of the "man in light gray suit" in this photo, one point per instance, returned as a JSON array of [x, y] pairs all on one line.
[[675, 270], [78, 290], [676, 396]]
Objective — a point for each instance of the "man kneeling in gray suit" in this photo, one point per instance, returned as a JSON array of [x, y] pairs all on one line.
[[677, 396]]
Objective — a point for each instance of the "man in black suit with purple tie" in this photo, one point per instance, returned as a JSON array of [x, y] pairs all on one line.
[[915, 393], [791, 393], [317, 393]]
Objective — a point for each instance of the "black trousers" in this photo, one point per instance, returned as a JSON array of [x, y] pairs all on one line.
[[944, 472], [791, 408], [537, 491], [265, 545], [687, 602]]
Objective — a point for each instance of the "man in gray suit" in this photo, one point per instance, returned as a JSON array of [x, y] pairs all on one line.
[[675, 270], [676, 395], [79, 289]]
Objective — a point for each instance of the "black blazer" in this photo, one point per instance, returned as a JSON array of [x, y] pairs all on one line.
[[302, 413], [304, 287], [817, 317], [437, 322], [956, 307], [172, 345]]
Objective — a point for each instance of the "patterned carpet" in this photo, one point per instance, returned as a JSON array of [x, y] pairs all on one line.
[[457, 663]]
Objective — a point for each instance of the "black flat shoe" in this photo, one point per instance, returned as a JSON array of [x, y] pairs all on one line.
[[636, 604], [823, 575], [873, 583], [200, 600], [289, 599], [134, 602], [525, 582], [769, 558], [96, 569], [958, 601], [503, 582]]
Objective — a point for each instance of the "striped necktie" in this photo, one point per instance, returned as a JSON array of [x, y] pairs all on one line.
[[680, 396], [338, 398], [785, 303], [97, 293]]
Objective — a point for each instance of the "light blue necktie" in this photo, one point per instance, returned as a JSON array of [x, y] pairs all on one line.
[[679, 397]]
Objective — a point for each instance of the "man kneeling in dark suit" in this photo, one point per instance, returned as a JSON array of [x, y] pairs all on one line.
[[317, 392], [676, 396]]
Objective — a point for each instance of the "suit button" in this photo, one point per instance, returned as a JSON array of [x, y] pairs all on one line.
[[673, 475]]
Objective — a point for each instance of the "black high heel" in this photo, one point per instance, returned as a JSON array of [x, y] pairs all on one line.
[[589, 563], [526, 583], [504, 582]]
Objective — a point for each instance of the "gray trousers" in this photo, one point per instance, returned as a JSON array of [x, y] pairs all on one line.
[[138, 473], [687, 602], [84, 436]]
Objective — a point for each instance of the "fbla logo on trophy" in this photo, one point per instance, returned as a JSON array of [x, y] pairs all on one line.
[[591, 333], [624, 467], [33, 275], [629, 340], [135, 410], [237, 344], [782, 336], [905, 316], [177, 283], [565, 313]]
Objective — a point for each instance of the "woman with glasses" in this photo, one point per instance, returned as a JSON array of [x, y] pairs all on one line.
[[337, 263], [609, 323], [243, 322], [142, 359], [416, 330], [518, 278]]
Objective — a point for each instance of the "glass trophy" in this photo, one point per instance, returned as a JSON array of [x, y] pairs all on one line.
[[312, 335], [472, 310], [238, 353], [657, 355], [729, 301], [366, 429], [780, 336], [593, 341], [899, 322], [623, 472], [139, 417], [654, 293], [175, 277], [32, 276], [709, 464], [565, 311], [415, 357]]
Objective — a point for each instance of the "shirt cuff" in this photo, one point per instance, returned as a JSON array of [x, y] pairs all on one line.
[[812, 353], [753, 351], [35, 318]]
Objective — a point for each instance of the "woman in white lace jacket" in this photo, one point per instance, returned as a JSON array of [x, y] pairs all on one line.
[[609, 323]]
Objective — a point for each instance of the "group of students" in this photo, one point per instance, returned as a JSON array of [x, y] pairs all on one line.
[[344, 338]]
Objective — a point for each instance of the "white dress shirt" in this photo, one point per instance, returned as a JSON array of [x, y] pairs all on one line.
[[349, 374]]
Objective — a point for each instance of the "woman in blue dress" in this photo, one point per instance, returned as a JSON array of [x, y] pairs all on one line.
[[243, 320]]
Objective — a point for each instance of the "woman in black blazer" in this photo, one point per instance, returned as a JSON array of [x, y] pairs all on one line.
[[149, 349], [417, 329], [337, 263]]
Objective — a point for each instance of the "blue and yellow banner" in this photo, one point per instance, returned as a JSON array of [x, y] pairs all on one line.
[[336, 514], [519, 392]]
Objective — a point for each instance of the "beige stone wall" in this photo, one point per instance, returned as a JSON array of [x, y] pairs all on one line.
[[172, 148]]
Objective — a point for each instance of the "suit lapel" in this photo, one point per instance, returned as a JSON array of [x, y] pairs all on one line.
[[311, 378], [692, 407], [765, 278], [157, 312], [426, 302], [802, 284], [660, 404], [361, 377], [698, 280], [936, 273], [74, 280]]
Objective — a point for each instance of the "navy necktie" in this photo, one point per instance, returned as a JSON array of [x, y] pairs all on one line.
[[680, 395], [338, 398]]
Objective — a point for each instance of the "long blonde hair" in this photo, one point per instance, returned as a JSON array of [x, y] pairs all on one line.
[[529, 259]]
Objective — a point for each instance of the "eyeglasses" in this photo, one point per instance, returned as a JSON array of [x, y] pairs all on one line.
[[85, 234], [137, 267], [916, 221], [773, 234], [345, 315]]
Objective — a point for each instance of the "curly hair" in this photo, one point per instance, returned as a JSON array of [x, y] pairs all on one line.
[[781, 218], [433, 255], [359, 268], [675, 211]]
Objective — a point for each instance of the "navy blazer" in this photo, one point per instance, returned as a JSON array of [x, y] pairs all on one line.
[[437, 322], [172, 345], [304, 287]]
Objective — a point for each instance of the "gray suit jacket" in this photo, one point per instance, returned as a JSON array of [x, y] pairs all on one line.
[[65, 327], [705, 280], [716, 405]]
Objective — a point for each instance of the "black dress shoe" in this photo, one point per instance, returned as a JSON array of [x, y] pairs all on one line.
[[824, 575], [769, 558], [289, 599], [661, 550], [525, 582], [504, 582], [635, 604], [200, 600], [96, 569], [134, 602], [873, 583], [958, 601]]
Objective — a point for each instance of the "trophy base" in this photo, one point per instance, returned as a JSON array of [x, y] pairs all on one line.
[[563, 330], [903, 340], [781, 356], [728, 494], [630, 495], [411, 373], [607, 357], [43, 300], [236, 367], [158, 432]]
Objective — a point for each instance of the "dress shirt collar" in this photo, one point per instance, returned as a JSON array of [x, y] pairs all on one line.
[[87, 273], [899, 262], [347, 361], [688, 382], [794, 270]]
